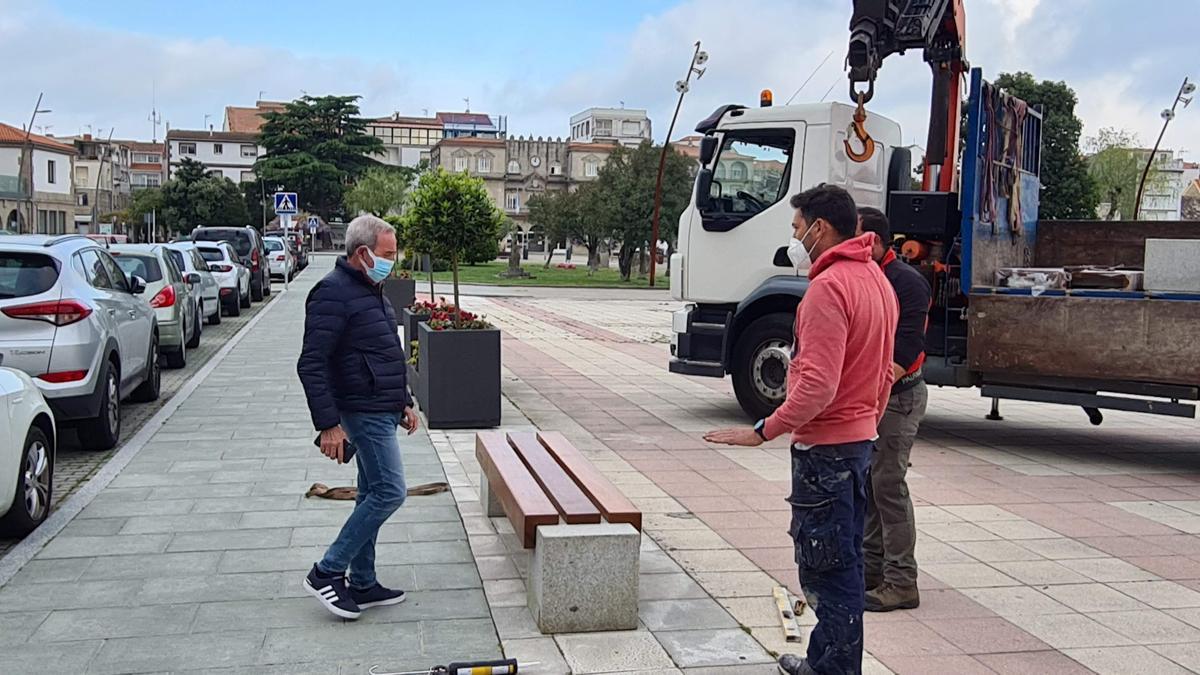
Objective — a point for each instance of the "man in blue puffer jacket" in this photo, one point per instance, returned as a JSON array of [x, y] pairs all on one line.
[[352, 367]]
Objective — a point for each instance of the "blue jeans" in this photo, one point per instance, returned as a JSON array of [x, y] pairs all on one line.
[[381, 490], [829, 503]]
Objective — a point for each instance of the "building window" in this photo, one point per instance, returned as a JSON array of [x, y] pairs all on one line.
[[249, 151], [604, 127], [218, 149], [51, 176], [631, 128], [483, 164], [738, 171], [187, 148], [512, 201], [460, 164], [81, 175], [247, 176], [590, 168], [403, 136], [514, 166], [555, 169]]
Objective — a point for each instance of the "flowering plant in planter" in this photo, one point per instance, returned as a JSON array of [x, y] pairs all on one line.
[[444, 320]]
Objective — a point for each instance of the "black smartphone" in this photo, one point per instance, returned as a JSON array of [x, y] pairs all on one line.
[[348, 448]]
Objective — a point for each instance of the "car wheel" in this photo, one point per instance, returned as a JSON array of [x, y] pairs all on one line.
[[103, 431], [197, 329], [257, 292], [760, 364], [176, 359], [148, 390], [216, 317], [234, 308], [35, 479], [266, 291]]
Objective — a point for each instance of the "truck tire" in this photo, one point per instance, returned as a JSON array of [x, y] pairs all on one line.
[[760, 363]]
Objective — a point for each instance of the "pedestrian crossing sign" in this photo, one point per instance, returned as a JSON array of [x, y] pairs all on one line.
[[285, 203]]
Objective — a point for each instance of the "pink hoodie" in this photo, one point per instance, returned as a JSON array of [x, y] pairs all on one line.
[[841, 374]]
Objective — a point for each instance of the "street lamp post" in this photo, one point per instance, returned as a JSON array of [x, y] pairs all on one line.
[[37, 108], [699, 58], [1185, 90]]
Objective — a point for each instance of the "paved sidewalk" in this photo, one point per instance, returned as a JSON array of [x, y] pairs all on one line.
[[1045, 544], [192, 558]]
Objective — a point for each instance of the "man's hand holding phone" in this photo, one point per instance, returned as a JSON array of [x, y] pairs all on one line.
[[333, 441]]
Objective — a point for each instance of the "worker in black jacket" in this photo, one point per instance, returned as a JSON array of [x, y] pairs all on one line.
[[352, 368], [890, 536]]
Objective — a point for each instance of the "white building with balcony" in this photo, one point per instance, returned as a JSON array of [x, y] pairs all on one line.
[[625, 126], [227, 153], [1163, 196]]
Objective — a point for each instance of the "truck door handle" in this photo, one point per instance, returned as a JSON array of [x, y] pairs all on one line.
[[132, 314], [112, 312]]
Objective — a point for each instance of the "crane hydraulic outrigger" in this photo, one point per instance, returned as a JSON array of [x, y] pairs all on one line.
[[880, 28]]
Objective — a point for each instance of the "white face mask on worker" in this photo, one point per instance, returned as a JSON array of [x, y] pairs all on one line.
[[798, 253]]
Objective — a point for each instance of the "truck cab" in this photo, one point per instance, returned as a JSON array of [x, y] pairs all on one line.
[[732, 266]]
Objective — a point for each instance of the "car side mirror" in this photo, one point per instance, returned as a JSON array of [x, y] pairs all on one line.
[[708, 149], [193, 278], [704, 181], [137, 285]]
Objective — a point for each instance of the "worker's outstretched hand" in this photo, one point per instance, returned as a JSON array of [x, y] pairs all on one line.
[[743, 436]]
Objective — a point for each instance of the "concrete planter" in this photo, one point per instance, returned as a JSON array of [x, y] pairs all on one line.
[[458, 380], [401, 293], [410, 320]]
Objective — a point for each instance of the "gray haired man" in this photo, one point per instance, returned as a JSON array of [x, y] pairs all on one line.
[[353, 370]]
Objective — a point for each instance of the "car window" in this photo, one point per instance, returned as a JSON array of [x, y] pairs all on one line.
[[23, 274], [211, 254], [144, 266], [177, 258], [173, 272], [239, 239], [93, 270], [273, 245], [198, 260], [119, 281]]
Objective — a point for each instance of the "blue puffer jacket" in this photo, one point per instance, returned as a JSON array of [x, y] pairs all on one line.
[[352, 360]]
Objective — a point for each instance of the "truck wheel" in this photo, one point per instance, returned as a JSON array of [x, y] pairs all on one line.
[[760, 364]]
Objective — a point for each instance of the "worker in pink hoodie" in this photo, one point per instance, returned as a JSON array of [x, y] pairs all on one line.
[[839, 381]]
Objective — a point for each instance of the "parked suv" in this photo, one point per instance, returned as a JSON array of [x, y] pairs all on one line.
[[72, 320], [231, 275], [249, 245], [171, 296], [187, 258]]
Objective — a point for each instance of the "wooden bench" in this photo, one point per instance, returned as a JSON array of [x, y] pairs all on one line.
[[584, 532]]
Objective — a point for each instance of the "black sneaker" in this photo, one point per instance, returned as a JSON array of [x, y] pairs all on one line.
[[333, 593], [376, 596], [790, 664]]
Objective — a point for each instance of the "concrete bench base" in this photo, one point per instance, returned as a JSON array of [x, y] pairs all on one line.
[[584, 578]]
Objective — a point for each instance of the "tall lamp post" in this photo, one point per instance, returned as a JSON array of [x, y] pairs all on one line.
[[37, 108], [1168, 114], [695, 67]]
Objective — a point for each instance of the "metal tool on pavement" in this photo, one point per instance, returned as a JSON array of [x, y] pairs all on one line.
[[490, 667]]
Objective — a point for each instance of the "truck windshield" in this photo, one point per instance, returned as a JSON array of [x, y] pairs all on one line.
[[749, 175]]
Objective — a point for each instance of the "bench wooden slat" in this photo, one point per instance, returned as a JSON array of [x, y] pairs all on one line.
[[613, 503], [564, 492], [524, 501]]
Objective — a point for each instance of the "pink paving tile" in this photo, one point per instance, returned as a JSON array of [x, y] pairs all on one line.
[[935, 665], [907, 638], [1126, 545], [778, 518], [1033, 663], [1136, 525], [757, 537], [647, 466], [989, 635], [1078, 527], [727, 522], [1173, 567], [1123, 481], [946, 604], [698, 488], [706, 504], [1185, 544], [767, 502], [673, 476], [776, 558], [1094, 510], [754, 486]]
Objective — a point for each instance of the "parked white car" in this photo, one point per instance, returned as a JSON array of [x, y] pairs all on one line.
[[231, 275], [170, 291], [189, 261], [27, 443], [279, 255]]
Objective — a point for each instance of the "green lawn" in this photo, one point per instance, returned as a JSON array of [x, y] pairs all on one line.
[[487, 274]]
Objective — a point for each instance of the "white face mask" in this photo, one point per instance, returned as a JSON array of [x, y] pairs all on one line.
[[798, 252]]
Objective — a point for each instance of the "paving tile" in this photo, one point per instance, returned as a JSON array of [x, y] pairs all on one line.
[[337, 641], [16, 627], [1019, 529], [1110, 570], [613, 652], [692, 614], [722, 560], [1016, 601], [1133, 660], [697, 648], [186, 652], [906, 638], [991, 551], [736, 584], [1160, 594], [981, 513], [152, 566], [675, 586], [75, 595], [1092, 597], [691, 539], [947, 603], [935, 665], [1168, 566], [260, 613], [969, 575], [985, 635], [86, 547], [1186, 655], [41, 658], [1040, 572], [230, 587], [51, 571], [515, 623], [506, 593], [1032, 663], [1148, 626], [541, 650], [114, 622], [957, 531], [1067, 631]]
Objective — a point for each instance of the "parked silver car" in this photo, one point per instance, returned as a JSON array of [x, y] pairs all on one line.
[[170, 293], [231, 275], [189, 260], [72, 320]]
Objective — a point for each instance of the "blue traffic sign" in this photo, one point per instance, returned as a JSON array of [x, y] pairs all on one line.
[[285, 203]]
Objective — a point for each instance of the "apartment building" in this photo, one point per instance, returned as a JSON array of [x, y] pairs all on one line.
[[407, 141], [227, 153], [626, 126], [37, 194], [147, 165], [102, 178]]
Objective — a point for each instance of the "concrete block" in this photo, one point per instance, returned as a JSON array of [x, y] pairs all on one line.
[[491, 505], [1173, 265], [585, 578]]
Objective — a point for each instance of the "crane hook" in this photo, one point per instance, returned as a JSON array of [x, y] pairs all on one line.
[[859, 129]]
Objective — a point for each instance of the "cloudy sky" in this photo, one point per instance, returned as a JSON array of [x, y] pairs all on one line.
[[539, 61]]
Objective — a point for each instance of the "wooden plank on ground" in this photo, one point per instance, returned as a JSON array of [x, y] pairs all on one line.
[[613, 503], [524, 501], [564, 492], [787, 614]]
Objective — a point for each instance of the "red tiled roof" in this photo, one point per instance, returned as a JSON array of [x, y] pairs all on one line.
[[10, 135], [250, 120], [472, 140], [145, 146], [464, 118]]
